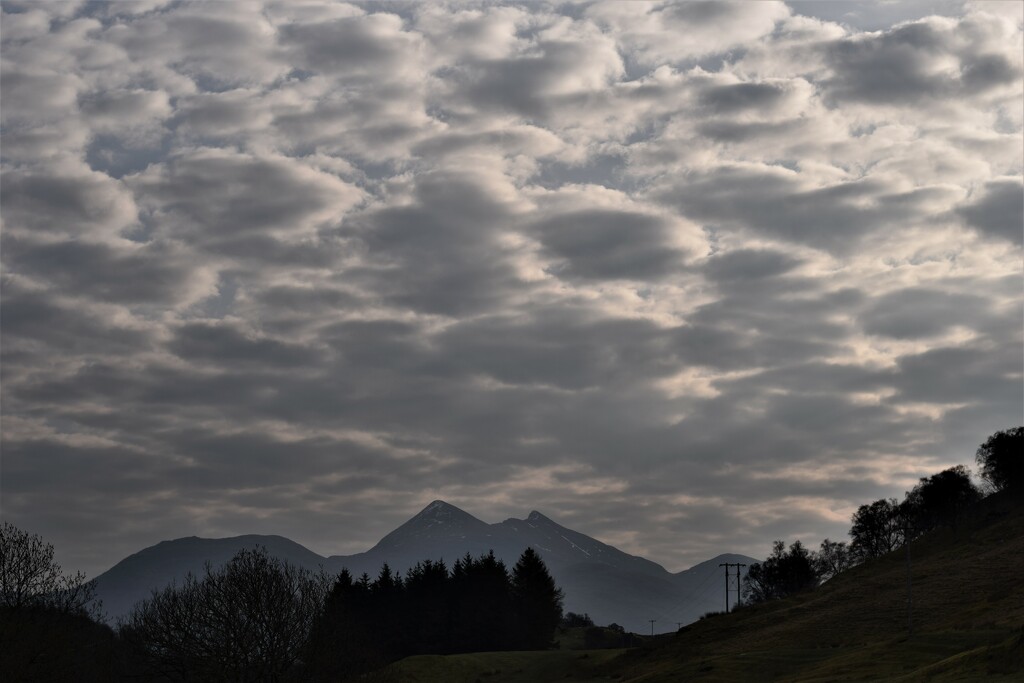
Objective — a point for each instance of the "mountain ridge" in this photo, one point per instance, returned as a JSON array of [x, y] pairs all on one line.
[[597, 578]]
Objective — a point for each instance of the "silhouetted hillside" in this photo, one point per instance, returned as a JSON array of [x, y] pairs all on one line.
[[968, 618]]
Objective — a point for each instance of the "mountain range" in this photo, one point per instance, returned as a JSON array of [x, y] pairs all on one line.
[[597, 579]]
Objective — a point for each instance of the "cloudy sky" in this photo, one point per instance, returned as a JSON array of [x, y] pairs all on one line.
[[684, 277]]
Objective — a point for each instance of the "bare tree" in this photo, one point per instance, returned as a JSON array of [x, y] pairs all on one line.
[[247, 621], [31, 578]]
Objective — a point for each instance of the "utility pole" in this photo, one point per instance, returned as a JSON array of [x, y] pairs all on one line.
[[739, 586], [910, 594], [727, 565], [652, 625]]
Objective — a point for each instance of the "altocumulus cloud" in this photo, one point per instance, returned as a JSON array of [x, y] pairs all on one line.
[[687, 276]]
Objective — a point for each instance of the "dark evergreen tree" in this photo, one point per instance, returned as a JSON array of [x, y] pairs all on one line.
[[482, 604], [474, 608], [387, 619], [537, 600], [342, 643], [427, 595]]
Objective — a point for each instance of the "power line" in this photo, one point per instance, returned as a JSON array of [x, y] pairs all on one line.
[[690, 600], [691, 597]]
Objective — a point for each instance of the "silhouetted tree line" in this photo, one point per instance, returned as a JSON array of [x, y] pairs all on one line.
[[888, 524], [478, 605], [260, 619]]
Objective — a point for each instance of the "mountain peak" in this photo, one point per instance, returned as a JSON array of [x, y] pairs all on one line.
[[439, 509], [436, 521], [538, 518]]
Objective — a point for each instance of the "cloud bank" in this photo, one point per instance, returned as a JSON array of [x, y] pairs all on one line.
[[687, 277]]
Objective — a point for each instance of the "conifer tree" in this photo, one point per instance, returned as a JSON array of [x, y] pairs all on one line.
[[537, 600]]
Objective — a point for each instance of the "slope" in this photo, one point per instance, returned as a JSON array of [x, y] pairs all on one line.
[[968, 612]]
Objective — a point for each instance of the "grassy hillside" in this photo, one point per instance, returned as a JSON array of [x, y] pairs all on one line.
[[968, 600], [503, 667], [968, 615]]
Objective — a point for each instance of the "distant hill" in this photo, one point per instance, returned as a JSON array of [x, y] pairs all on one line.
[[134, 578], [608, 584]]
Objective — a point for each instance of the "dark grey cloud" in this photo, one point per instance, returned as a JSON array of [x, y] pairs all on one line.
[[222, 47], [749, 264], [217, 195], [123, 272], [920, 313], [732, 131], [909, 64], [728, 99], [445, 245], [110, 110], [604, 244], [961, 374], [897, 67], [557, 348], [353, 47], [226, 346], [773, 202], [212, 116], [999, 211], [66, 199], [29, 90], [48, 325], [532, 85]]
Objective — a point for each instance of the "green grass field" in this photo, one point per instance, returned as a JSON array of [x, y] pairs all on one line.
[[968, 616]]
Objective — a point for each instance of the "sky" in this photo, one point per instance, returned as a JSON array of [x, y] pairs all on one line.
[[685, 277]]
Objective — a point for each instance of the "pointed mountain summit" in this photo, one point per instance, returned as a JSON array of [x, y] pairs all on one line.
[[441, 512], [436, 523], [440, 531]]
